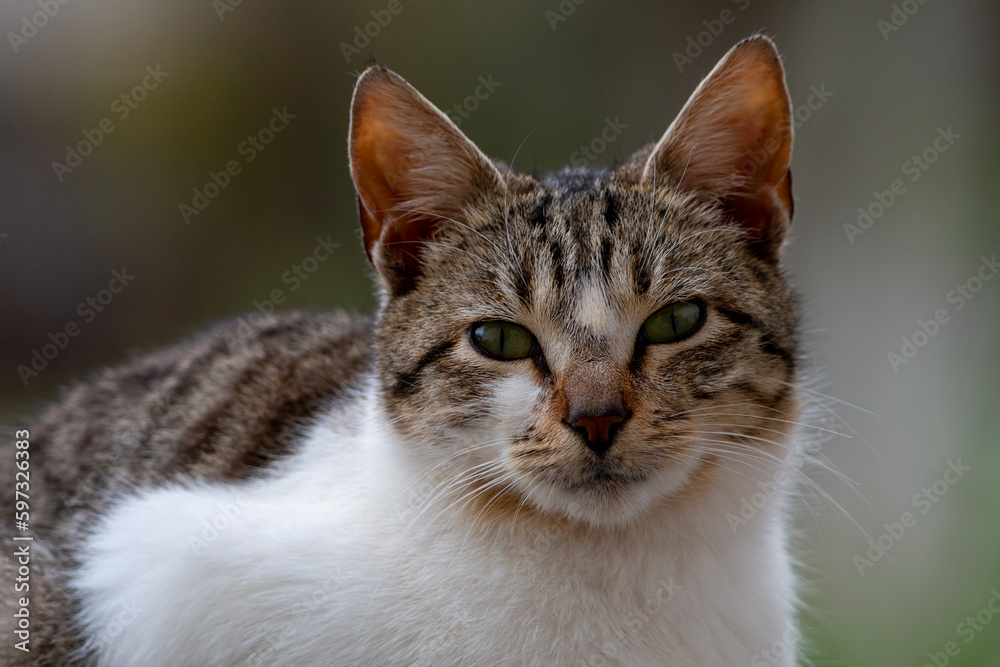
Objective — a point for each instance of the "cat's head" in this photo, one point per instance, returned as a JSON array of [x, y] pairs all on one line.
[[595, 342]]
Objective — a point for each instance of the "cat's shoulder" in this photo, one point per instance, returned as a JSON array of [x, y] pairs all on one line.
[[221, 405]]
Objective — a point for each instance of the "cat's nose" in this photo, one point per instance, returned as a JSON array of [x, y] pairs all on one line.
[[598, 430]]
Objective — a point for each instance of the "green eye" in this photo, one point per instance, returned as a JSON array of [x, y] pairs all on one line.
[[504, 340], [673, 323]]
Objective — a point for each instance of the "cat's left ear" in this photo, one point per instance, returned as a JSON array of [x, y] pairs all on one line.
[[414, 170], [733, 141]]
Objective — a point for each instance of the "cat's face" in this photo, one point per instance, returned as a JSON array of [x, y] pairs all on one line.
[[593, 343]]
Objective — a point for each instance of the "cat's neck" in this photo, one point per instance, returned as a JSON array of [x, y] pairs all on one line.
[[680, 567]]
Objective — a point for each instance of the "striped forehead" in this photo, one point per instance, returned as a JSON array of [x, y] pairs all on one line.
[[583, 274], [585, 254], [574, 235]]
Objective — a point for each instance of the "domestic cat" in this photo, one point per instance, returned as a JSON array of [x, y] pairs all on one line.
[[527, 457]]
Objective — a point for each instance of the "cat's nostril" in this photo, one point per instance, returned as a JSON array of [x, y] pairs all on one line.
[[598, 431], [613, 428], [584, 433]]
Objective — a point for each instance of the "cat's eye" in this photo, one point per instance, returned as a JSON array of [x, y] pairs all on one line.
[[673, 323], [504, 340]]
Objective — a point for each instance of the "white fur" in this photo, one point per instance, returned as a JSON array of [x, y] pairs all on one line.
[[351, 555], [594, 310]]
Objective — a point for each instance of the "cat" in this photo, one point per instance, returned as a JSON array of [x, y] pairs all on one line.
[[526, 457]]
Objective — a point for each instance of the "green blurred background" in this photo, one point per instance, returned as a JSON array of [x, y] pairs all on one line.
[[890, 76]]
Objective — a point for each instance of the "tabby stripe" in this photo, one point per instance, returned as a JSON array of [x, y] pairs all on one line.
[[203, 438], [768, 346], [640, 269], [558, 276], [712, 349], [763, 273], [522, 281], [610, 209], [200, 372], [196, 367], [738, 317], [606, 256], [638, 355], [275, 432], [273, 328], [539, 216], [406, 382], [767, 343]]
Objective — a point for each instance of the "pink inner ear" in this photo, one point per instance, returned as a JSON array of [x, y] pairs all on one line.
[[733, 140], [757, 211], [766, 186], [383, 180], [373, 149], [382, 168], [413, 170]]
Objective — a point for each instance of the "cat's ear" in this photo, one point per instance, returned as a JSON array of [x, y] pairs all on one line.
[[733, 142], [414, 172]]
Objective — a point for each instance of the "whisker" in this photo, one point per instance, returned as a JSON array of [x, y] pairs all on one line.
[[809, 482]]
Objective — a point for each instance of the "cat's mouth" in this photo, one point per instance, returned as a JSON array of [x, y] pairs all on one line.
[[605, 479]]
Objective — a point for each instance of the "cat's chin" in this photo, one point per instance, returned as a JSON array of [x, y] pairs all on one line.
[[604, 499]]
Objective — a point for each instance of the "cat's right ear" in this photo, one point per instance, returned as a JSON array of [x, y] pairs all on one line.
[[733, 142], [414, 171]]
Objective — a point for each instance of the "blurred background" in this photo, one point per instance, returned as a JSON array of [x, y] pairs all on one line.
[[119, 120]]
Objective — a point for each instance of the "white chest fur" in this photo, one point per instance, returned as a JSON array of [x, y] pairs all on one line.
[[347, 558]]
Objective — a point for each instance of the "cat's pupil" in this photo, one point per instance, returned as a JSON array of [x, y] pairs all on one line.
[[504, 340], [673, 322]]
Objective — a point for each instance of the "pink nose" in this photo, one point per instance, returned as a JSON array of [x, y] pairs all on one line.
[[598, 430]]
